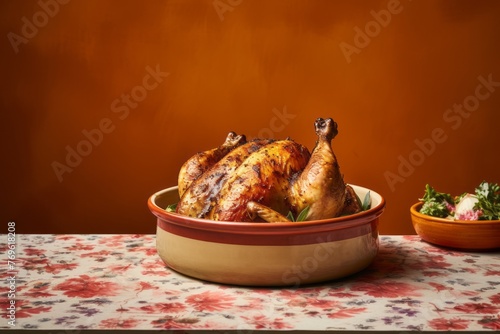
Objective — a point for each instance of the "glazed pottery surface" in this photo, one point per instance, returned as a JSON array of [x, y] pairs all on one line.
[[266, 254], [460, 234]]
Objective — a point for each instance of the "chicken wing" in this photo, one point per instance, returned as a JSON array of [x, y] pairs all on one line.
[[201, 162]]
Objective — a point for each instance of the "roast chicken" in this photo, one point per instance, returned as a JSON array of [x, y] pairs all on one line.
[[266, 180]]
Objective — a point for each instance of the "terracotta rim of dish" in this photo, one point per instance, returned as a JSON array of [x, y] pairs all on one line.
[[330, 224], [415, 210]]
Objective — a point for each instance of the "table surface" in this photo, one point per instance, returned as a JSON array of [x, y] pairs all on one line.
[[119, 282]]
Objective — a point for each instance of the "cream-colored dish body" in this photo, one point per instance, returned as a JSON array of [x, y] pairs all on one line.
[[259, 265]]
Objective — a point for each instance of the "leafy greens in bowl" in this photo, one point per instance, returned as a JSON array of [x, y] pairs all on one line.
[[483, 204]]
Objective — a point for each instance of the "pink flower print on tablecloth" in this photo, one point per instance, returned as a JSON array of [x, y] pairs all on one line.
[[148, 251], [169, 322], [146, 286], [68, 237], [346, 312], [479, 308], [155, 268], [119, 269], [119, 239], [490, 322], [387, 289], [56, 268], [98, 254], [263, 322], [39, 290], [342, 294], [315, 307], [428, 262], [161, 308], [495, 299], [492, 272], [449, 324], [210, 301], [34, 251], [23, 308], [252, 304], [117, 323], [79, 247], [85, 286], [311, 302], [439, 287], [33, 263], [432, 273]]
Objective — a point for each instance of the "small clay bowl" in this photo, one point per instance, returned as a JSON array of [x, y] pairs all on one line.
[[472, 235]]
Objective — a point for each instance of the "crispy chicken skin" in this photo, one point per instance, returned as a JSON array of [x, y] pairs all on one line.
[[202, 161], [265, 179], [203, 192], [352, 204], [320, 185]]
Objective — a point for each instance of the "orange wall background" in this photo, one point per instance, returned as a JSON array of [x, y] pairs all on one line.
[[262, 68]]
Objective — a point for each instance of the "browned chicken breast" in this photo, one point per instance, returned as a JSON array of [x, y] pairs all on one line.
[[264, 177], [203, 192]]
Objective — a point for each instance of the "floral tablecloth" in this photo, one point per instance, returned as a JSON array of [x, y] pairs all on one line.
[[119, 282]]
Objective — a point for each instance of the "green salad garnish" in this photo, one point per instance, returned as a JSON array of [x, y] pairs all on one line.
[[171, 207], [483, 204]]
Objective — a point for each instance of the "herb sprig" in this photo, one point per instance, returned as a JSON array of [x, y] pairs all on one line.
[[300, 217], [436, 204], [171, 207], [488, 196]]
